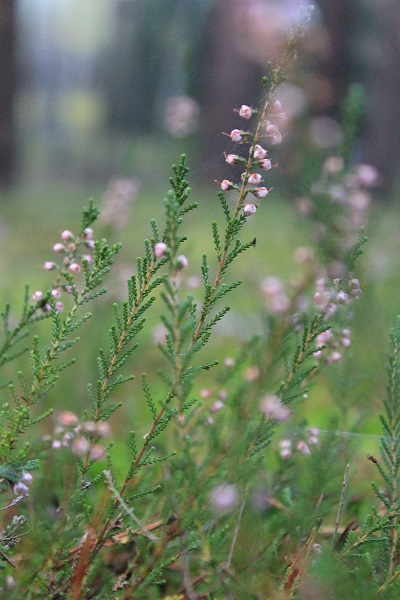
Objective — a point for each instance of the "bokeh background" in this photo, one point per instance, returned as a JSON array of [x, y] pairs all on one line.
[[94, 89]]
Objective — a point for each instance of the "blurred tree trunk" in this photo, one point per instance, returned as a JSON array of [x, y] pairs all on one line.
[[7, 90]]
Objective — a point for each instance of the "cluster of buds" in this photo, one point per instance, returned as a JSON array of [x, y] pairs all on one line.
[[161, 250], [350, 193], [330, 300], [21, 487], [218, 404], [81, 438], [258, 156], [286, 448], [77, 251]]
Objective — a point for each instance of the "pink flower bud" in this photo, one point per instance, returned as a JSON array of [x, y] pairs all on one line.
[[273, 408], [226, 185], [259, 152], [276, 106], [71, 247], [20, 489], [160, 250], [252, 373], [90, 244], [276, 139], [254, 178], [261, 192], [58, 247], [303, 448], [236, 135], [229, 362], [245, 111], [249, 209], [265, 164], [37, 296], [56, 293], [88, 258], [74, 268], [49, 266], [67, 235], [181, 262], [272, 129], [59, 306], [103, 429], [217, 406], [231, 159], [87, 233], [97, 453], [67, 418], [80, 446], [26, 478], [224, 498]]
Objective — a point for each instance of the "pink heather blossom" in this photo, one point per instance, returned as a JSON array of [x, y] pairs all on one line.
[[271, 129], [334, 357], [58, 247], [59, 306], [226, 185], [333, 164], [90, 244], [87, 258], [182, 262], [87, 233], [245, 111], [231, 159], [67, 418], [67, 235], [254, 178], [80, 446], [273, 408], [74, 268], [236, 135], [303, 448], [276, 106], [89, 427], [205, 394], [71, 247], [252, 373], [265, 164], [217, 406], [249, 209], [224, 498], [367, 175], [261, 192], [56, 293], [49, 266], [285, 449], [342, 297], [26, 478], [229, 362], [97, 453], [160, 250], [103, 429], [259, 152], [20, 489], [37, 296], [276, 139]]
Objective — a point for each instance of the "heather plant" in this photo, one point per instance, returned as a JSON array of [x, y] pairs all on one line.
[[230, 492]]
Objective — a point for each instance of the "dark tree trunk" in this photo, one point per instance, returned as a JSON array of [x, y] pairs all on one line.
[[7, 90]]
